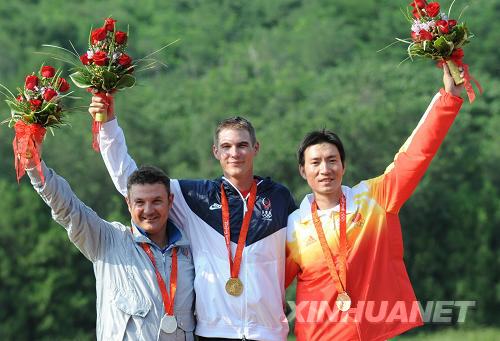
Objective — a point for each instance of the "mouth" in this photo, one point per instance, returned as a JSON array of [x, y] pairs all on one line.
[[326, 181], [149, 220]]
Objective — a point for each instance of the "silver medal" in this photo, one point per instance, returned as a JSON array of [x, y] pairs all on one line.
[[168, 324]]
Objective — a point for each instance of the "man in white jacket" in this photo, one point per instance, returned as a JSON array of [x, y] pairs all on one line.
[[236, 226]]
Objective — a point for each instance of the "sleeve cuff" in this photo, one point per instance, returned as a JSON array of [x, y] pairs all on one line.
[[110, 128], [34, 176], [449, 98]]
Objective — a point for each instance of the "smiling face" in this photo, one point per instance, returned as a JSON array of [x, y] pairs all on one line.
[[149, 205], [323, 169], [235, 152]]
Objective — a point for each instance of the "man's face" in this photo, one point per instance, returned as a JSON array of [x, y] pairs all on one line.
[[235, 152], [149, 205], [323, 168]]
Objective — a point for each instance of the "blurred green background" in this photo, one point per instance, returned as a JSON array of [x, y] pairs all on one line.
[[290, 66]]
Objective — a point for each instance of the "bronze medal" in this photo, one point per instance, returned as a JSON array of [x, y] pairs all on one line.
[[343, 301], [234, 287]]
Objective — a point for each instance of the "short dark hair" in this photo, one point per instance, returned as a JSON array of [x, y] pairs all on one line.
[[148, 175], [236, 122], [318, 137]]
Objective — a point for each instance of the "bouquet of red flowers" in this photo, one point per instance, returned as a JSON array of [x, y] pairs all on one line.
[[434, 35], [36, 108], [105, 67]]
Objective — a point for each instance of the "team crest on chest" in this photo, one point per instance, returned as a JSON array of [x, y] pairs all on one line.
[[266, 209]]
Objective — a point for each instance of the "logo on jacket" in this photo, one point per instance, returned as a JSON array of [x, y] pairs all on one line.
[[358, 220], [266, 209], [215, 206]]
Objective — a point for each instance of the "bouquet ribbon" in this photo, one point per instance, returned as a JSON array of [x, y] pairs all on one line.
[[27, 143], [457, 60], [97, 123]]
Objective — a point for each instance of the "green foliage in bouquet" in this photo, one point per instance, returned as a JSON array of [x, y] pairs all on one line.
[[39, 100], [433, 34], [105, 67]]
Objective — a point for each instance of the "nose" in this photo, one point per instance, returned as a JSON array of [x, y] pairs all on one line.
[[148, 208], [324, 167], [234, 151]]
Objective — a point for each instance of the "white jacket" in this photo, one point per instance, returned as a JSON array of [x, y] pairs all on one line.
[[258, 313]]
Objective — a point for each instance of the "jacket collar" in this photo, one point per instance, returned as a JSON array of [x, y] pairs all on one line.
[[305, 205], [175, 236]]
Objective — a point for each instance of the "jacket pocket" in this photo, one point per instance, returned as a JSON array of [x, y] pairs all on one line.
[[126, 306]]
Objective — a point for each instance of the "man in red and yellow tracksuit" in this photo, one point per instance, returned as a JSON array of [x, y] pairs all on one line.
[[344, 244]]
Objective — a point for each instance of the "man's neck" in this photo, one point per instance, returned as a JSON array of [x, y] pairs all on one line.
[[242, 184], [160, 240], [326, 201]]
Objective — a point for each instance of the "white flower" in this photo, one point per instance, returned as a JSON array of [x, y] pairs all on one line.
[[90, 54], [444, 16], [416, 26], [116, 55]]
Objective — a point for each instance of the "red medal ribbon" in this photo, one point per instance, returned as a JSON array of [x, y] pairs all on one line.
[[28, 138], [235, 266], [168, 301], [340, 275]]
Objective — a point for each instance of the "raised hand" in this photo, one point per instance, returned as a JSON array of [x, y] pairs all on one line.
[[101, 105], [449, 83]]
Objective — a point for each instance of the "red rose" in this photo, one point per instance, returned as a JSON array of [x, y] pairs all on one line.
[[35, 104], [109, 24], [48, 71], [120, 37], [100, 58], [443, 26], [30, 82], [416, 13], [432, 9], [20, 98], [425, 35], [85, 59], [457, 54], [418, 3], [62, 85], [98, 34], [124, 60], [49, 94], [452, 23]]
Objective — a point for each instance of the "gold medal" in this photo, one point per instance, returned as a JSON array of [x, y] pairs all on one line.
[[234, 287], [343, 301]]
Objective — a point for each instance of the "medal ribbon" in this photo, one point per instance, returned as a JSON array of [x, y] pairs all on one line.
[[235, 266], [341, 275], [168, 301]]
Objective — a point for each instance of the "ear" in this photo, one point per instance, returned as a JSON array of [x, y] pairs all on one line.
[[170, 200], [302, 172], [127, 199], [215, 152], [256, 147], [344, 168]]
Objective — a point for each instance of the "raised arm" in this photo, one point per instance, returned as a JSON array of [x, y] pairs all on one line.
[[113, 146], [402, 176], [86, 230]]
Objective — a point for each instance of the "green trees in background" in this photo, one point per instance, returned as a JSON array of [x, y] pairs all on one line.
[[290, 66]]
